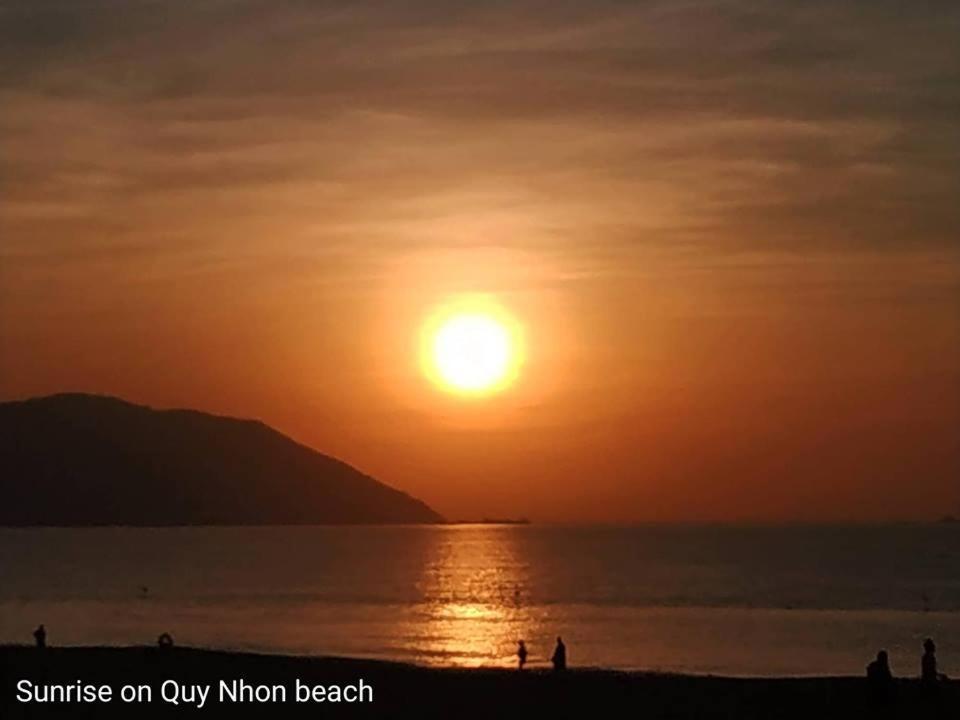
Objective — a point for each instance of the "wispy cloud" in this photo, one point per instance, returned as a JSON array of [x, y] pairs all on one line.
[[596, 133]]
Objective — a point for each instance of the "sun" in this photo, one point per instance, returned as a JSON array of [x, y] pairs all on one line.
[[472, 352], [472, 346]]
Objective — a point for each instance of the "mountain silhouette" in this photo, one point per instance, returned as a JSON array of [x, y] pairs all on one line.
[[77, 459]]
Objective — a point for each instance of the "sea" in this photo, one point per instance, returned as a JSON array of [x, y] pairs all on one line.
[[739, 601]]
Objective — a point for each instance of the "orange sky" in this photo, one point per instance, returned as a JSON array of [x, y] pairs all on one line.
[[731, 235]]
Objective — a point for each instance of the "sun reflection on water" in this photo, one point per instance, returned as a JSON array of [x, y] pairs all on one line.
[[475, 588]]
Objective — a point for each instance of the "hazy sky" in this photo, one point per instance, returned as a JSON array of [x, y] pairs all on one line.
[[730, 229]]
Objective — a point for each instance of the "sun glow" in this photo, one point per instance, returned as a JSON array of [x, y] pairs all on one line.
[[472, 346]]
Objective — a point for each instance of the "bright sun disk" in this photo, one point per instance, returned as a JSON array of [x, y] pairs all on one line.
[[472, 348]]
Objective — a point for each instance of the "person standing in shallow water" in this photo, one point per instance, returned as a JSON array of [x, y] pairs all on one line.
[[559, 658], [40, 636], [521, 654]]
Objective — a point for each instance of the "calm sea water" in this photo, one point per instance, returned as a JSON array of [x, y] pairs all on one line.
[[739, 601]]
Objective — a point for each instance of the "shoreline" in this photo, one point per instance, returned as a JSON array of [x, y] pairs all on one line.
[[399, 689]]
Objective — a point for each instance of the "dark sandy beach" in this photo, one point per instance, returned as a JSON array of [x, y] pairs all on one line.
[[409, 691]]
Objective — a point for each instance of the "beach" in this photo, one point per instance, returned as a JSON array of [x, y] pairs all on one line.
[[173, 676]]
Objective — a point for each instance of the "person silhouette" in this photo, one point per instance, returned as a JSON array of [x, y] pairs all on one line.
[[879, 677], [521, 654], [559, 658], [928, 665], [40, 636]]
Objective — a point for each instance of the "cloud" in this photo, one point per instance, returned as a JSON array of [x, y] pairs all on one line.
[[721, 126]]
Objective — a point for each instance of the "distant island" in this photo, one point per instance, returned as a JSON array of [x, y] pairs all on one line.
[[493, 521], [78, 460]]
